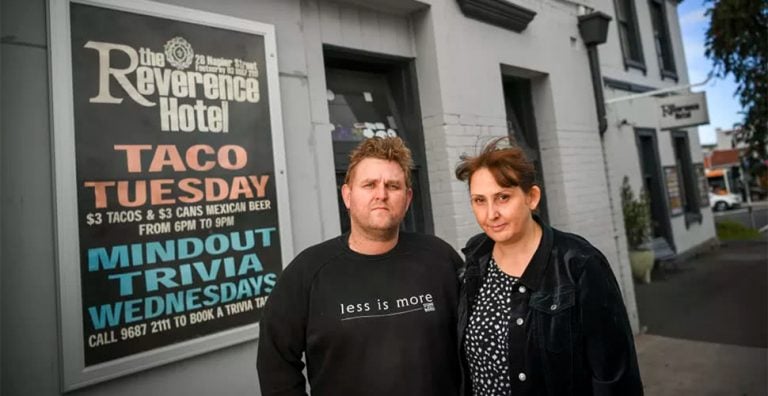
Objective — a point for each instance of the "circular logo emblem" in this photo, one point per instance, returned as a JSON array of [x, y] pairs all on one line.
[[179, 53]]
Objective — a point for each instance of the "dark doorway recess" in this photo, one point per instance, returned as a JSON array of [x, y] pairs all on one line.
[[650, 168], [521, 127], [375, 95]]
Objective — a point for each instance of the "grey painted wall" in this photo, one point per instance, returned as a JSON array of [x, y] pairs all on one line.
[[461, 99], [27, 303], [462, 105]]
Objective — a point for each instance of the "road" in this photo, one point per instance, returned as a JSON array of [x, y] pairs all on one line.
[[742, 215]]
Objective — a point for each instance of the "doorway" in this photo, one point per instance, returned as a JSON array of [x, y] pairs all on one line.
[[650, 169], [521, 127], [370, 95]]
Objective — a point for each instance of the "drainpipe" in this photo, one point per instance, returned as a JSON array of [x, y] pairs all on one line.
[[593, 28]]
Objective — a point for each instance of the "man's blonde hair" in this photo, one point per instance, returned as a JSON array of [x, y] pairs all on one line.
[[389, 149]]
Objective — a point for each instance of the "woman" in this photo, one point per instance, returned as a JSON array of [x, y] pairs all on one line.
[[540, 311]]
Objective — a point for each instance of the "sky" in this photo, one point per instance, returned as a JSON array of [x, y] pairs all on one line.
[[723, 105]]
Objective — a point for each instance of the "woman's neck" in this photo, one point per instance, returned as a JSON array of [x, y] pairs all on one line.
[[513, 257]]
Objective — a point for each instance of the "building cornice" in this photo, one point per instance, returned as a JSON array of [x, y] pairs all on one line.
[[501, 13]]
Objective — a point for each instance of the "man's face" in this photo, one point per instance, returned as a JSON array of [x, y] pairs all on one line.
[[376, 197]]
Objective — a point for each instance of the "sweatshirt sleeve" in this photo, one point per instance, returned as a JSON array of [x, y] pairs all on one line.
[[610, 348], [282, 337]]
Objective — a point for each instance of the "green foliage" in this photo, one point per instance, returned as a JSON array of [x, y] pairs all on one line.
[[729, 230], [737, 43], [637, 216]]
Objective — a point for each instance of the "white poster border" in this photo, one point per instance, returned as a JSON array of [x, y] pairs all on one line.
[[74, 373]]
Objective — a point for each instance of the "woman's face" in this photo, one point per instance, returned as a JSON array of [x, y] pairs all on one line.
[[502, 212]]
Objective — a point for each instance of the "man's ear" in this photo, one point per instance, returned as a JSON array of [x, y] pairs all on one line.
[[409, 197], [345, 193]]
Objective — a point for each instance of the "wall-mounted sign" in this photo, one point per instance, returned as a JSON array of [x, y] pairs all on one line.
[[171, 189], [674, 191], [682, 111]]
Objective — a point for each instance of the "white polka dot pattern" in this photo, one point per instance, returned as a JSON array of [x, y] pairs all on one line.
[[486, 339]]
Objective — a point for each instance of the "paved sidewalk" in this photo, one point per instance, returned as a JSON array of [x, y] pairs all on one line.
[[706, 324], [677, 367]]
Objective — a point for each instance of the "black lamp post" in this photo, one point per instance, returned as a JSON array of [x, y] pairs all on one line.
[[594, 30]]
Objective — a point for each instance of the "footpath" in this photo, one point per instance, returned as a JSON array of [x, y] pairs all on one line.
[[705, 324]]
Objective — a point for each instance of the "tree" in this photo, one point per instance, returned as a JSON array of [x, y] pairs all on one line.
[[737, 43]]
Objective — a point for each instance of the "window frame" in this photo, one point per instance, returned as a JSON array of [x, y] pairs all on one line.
[[664, 40], [632, 24]]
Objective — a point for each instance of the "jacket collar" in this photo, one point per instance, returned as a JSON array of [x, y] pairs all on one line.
[[480, 246], [534, 273]]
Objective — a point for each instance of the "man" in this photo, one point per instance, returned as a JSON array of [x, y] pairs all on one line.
[[373, 311]]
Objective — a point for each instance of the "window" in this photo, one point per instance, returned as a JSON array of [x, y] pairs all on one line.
[[629, 34], [661, 39], [689, 194]]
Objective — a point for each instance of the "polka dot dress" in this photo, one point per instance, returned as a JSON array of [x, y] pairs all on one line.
[[486, 337]]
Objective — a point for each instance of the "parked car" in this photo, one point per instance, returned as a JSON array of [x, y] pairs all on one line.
[[724, 201]]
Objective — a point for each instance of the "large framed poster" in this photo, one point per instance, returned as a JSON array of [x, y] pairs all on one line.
[[172, 209]]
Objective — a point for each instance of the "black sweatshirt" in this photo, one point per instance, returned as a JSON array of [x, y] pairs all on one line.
[[369, 324]]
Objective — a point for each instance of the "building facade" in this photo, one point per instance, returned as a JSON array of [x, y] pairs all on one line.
[[644, 53], [446, 75]]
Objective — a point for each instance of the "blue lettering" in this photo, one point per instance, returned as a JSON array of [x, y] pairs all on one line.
[[229, 267], [270, 279], [157, 252], [155, 277], [154, 307], [256, 284], [203, 271], [190, 247], [266, 238], [98, 257], [211, 291], [250, 262], [106, 313], [174, 303], [228, 292], [244, 289], [131, 311], [125, 281], [237, 244], [192, 299], [210, 244]]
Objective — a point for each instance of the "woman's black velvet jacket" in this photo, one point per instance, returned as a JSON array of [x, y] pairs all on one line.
[[575, 338]]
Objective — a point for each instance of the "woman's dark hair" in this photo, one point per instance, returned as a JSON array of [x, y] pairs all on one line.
[[506, 161]]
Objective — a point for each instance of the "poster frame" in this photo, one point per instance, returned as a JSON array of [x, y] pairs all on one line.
[[74, 373]]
